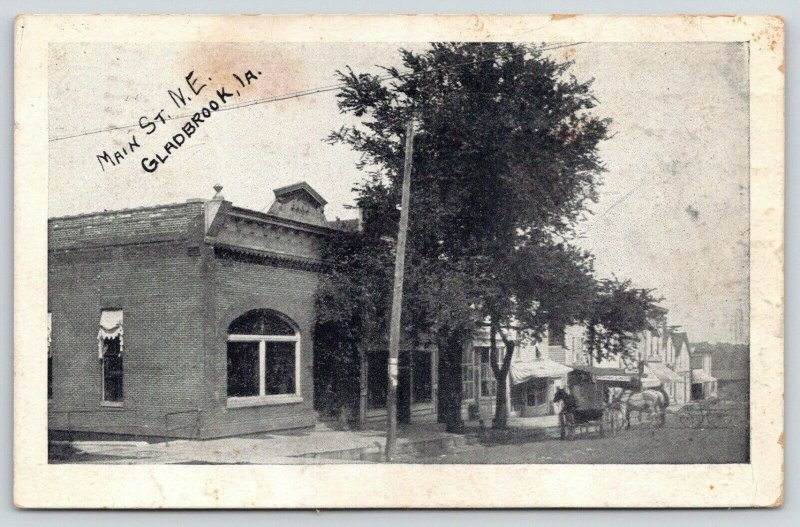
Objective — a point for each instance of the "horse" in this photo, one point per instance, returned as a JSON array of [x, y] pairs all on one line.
[[616, 415], [566, 417], [654, 401]]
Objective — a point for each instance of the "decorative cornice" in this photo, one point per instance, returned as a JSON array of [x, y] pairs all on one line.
[[265, 257], [270, 219]]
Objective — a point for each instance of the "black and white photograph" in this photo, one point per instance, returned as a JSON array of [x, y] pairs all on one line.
[[476, 251]]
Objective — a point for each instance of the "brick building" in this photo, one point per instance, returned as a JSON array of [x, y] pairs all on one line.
[[186, 320]]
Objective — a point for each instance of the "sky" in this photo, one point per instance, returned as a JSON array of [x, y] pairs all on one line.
[[673, 213]]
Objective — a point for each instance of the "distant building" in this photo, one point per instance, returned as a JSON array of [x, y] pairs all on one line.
[[730, 365], [677, 359], [533, 377], [661, 352], [704, 384]]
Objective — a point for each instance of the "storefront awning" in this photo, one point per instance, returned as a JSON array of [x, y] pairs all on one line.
[[604, 372], [536, 369], [110, 328], [614, 378], [702, 376], [663, 373]]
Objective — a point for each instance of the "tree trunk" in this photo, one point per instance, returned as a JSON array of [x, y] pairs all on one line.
[[500, 420], [449, 404]]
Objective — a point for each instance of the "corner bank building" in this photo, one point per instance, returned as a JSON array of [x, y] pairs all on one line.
[[185, 320]]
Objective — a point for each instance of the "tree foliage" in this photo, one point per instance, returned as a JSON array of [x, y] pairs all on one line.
[[619, 311], [505, 164]]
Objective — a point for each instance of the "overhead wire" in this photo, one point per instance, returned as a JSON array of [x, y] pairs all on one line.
[[310, 91]]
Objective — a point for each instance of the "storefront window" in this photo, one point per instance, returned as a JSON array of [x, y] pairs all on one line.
[[488, 382], [263, 359], [280, 368], [537, 392], [243, 375], [468, 374]]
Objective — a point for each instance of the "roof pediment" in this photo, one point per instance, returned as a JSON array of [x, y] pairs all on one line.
[[299, 202], [301, 188]]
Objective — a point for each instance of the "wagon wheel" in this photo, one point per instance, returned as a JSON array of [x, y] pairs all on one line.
[[608, 420], [571, 426], [662, 418], [621, 419], [715, 418], [691, 419], [611, 421]]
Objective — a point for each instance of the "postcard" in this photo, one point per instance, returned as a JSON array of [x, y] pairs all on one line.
[[399, 261]]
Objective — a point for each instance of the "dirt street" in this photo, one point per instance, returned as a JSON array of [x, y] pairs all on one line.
[[672, 444]]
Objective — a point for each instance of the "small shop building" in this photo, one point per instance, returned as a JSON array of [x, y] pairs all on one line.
[[196, 319], [704, 385], [533, 377]]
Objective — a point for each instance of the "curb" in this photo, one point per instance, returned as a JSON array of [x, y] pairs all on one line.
[[434, 446], [421, 448]]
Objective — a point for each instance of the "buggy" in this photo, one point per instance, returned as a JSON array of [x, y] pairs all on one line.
[[585, 410]]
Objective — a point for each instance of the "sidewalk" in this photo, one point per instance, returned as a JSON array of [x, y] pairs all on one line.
[[320, 445], [544, 421], [323, 444]]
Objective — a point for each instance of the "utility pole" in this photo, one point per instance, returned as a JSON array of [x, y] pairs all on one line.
[[397, 298]]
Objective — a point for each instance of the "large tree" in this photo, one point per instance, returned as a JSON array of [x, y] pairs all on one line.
[[505, 165], [615, 317]]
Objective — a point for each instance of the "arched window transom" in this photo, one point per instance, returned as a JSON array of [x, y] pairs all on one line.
[[261, 322], [263, 359]]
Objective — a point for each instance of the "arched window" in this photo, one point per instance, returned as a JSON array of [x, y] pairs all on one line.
[[263, 359]]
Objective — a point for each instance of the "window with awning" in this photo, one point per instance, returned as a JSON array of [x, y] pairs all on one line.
[[110, 329], [110, 345]]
